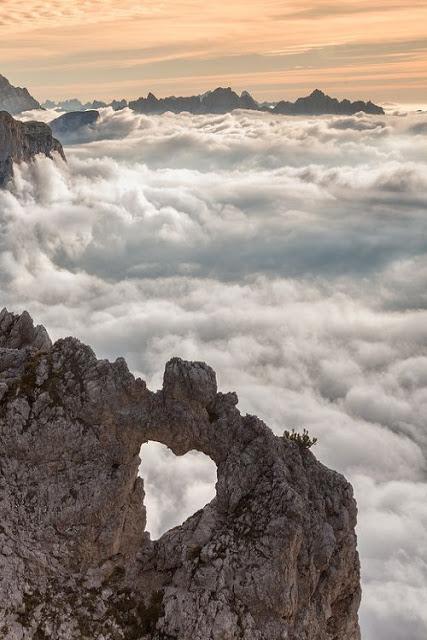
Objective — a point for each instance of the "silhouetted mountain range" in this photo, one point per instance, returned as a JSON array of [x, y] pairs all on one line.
[[224, 100], [319, 103], [220, 100]]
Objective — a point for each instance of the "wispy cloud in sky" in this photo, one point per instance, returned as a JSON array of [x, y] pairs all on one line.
[[200, 43]]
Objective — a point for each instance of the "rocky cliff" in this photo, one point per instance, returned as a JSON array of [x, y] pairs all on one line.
[[21, 142], [272, 557], [15, 99]]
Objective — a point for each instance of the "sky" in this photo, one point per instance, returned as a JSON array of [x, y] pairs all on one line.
[[276, 49], [290, 254]]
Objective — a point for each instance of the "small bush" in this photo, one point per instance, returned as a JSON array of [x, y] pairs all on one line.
[[301, 439]]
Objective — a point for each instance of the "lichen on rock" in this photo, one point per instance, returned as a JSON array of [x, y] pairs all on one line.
[[273, 556]]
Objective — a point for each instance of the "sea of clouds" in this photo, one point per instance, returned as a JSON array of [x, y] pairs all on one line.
[[288, 253]]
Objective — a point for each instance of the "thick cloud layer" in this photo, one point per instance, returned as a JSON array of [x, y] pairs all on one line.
[[290, 254]]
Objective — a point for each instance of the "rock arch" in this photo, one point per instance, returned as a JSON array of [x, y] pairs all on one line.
[[175, 487], [273, 556]]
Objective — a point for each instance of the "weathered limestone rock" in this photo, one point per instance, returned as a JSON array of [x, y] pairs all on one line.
[[21, 142], [272, 557]]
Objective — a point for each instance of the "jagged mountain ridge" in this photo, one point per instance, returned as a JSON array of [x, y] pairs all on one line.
[[319, 103], [221, 100], [15, 99], [273, 556], [21, 142], [224, 100]]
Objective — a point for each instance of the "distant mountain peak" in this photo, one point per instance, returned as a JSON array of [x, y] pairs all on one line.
[[318, 103], [317, 92], [223, 90], [15, 99]]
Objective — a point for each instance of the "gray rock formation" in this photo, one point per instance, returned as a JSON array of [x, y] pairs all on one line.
[[21, 142], [272, 557], [14, 99], [66, 126]]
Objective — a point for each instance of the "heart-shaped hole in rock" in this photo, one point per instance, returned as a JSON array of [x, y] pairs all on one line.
[[175, 486]]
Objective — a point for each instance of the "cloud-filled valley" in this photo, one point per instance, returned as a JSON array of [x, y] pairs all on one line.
[[291, 255]]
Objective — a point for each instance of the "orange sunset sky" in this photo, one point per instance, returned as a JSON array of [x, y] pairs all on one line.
[[124, 48]]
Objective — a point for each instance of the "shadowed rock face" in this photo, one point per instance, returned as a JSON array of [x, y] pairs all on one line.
[[21, 142], [273, 556], [14, 99]]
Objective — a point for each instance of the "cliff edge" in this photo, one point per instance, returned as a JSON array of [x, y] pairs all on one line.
[[273, 556], [21, 142]]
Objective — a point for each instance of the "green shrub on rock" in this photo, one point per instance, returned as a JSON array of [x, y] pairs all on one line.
[[301, 439]]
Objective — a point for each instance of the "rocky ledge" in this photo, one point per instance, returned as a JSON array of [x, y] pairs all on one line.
[[272, 557], [21, 142]]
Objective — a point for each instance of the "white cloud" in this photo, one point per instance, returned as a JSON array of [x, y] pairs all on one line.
[[289, 254], [174, 485]]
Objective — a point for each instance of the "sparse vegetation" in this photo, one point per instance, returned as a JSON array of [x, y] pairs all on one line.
[[303, 440]]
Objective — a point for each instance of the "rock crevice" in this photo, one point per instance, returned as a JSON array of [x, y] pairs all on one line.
[[273, 556]]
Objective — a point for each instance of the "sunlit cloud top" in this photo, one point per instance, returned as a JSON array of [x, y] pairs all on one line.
[[115, 48]]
